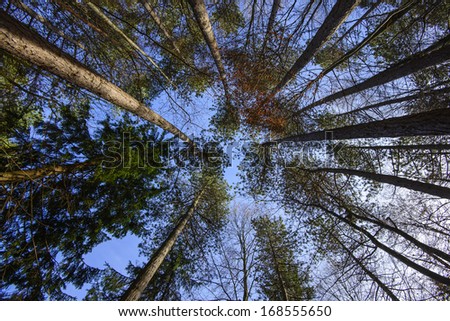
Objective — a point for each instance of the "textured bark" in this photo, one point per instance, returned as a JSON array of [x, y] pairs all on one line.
[[390, 19], [37, 173], [337, 16], [427, 188], [26, 44], [433, 55], [158, 22], [134, 292], [202, 18], [271, 23], [435, 122]]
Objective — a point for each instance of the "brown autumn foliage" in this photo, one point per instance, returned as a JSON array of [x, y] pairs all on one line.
[[252, 78]]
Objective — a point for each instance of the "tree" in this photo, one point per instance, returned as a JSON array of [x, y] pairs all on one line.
[[435, 54], [281, 277], [202, 18], [158, 22], [271, 22], [328, 67], [232, 262], [435, 122], [22, 42], [42, 217], [351, 201], [208, 185], [336, 17]]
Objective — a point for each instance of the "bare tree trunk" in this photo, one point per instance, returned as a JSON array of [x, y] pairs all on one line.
[[419, 95], [250, 25], [245, 271], [427, 188], [26, 44], [435, 122], [134, 292], [432, 275], [37, 173], [369, 273], [158, 22], [337, 16], [433, 55], [432, 251], [201, 15], [431, 147], [271, 23]]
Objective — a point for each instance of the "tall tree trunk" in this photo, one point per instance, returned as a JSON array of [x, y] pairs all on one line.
[[432, 275], [201, 15], [428, 93], [244, 257], [427, 188], [134, 292], [390, 19], [37, 173], [337, 16], [271, 23], [245, 272], [250, 24], [26, 44], [435, 122], [158, 22], [432, 251], [369, 273], [433, 55], [431, 147]]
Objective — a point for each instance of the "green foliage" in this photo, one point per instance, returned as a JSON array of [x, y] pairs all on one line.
[[280, 275], [228, 16], [118, 180], [49, 224], [226, 121], [328, 55]]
